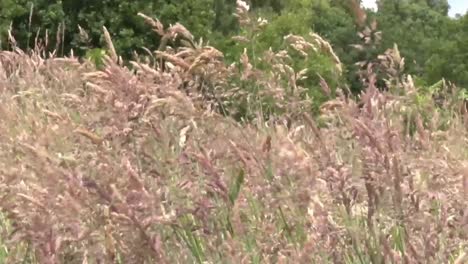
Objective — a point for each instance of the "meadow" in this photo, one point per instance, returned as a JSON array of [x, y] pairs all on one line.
[[171, 159]]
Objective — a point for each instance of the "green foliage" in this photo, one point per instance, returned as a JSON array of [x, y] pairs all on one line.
[[432, 43], [120, 17], [449, 60], [236, 186], [191, 239], [416, 28], [3, 230], [224, 21], [30, 18], [298, 18], [96, 56]]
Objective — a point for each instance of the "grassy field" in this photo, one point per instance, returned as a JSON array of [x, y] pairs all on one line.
[[145, 165]]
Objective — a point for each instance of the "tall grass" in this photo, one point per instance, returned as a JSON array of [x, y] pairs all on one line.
[[153, 164]]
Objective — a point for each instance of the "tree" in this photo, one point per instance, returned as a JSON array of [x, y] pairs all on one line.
[[119, 16], [418, 26], [449, 60], [29, 18]]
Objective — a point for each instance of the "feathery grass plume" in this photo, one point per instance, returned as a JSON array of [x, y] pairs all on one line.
[[327, 48], [360, 15], [11, 38], [154, 23], [242, 12], [110, 45]]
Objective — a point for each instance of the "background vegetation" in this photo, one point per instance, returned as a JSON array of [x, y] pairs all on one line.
[[298, 131], [432, 42]]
